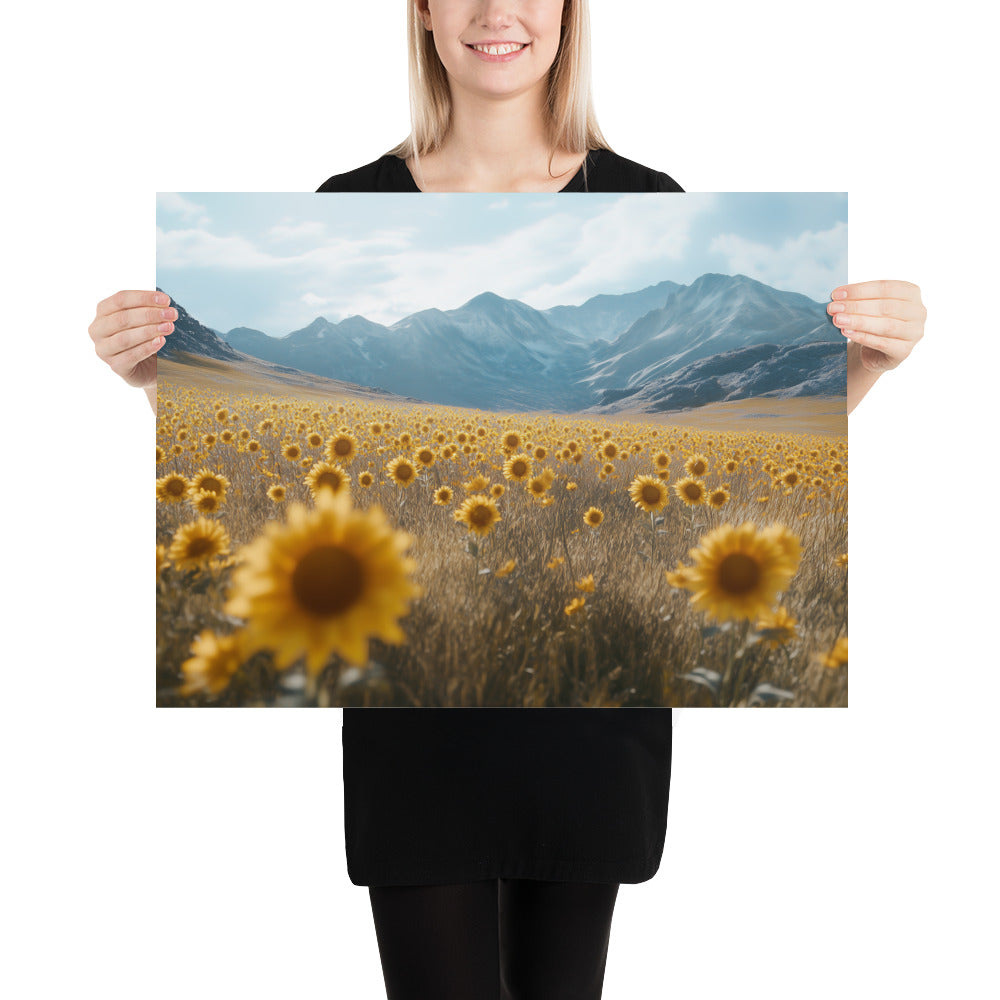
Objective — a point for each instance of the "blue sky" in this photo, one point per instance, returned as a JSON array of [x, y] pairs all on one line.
[[275, 262]]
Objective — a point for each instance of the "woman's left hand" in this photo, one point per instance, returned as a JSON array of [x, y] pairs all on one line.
[[886, 318]]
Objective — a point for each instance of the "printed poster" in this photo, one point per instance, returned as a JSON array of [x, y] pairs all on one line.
[[581, 450]]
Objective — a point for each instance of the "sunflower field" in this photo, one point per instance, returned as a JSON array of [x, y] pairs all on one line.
[[352, 551]]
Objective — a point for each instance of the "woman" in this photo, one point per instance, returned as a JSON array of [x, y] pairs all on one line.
[[493, 841]]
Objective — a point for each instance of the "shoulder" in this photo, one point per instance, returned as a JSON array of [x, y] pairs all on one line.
[[607, 171], [387, 173]]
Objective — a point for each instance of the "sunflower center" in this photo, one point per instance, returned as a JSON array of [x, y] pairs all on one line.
[[327, 580], [331, 479], [404, 472], [176, 487], [738, 573], [212, 485], [342, 447], [692, 491], [481, 516], [200, 546], [650, 493]]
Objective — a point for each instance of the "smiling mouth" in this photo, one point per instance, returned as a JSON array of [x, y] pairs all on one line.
[[500, 50]]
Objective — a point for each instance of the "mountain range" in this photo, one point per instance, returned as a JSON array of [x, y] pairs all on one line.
[[665, 347]]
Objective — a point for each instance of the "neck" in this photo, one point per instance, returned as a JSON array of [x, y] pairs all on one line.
[[492, 140]]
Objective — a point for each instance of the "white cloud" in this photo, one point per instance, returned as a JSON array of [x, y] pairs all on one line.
[[189, 211], [813, 263]]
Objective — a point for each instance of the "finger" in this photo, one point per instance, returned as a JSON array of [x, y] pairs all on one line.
[[131, 319], [122, 364], [887, 345], [884, 289], [129, 300], [883, 326], [904, 309], [112, 346]]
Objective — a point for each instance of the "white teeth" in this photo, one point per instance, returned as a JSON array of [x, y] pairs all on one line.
[[498, 50]]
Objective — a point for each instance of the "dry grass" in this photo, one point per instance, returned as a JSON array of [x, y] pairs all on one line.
[[478, 639]]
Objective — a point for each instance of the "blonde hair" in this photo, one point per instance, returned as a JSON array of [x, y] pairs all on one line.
[[571, 122]]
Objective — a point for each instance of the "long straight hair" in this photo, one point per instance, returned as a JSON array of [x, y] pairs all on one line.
[[570, 120]]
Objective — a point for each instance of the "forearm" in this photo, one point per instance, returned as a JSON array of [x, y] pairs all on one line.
[[150, 391], [859, 378]]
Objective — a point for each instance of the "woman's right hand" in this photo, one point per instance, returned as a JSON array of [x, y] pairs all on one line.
[[128, 330]]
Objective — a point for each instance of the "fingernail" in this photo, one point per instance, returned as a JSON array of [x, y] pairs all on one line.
[[160, 299], [836, 307], [840, 293]]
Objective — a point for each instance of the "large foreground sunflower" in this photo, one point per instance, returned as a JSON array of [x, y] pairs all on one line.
[[739, 572], [325, 582]]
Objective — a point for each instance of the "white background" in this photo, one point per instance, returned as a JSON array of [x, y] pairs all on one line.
[[200, 854]]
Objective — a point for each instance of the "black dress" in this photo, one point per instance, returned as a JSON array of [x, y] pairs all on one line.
[[442, 795]]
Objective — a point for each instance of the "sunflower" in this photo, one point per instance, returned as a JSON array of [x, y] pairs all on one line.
[[789, 478], [172, 488], [738, 572], [205, 501], [537, 486], [443, 496], [609, 451], [517, 468], [837, 656], [341, 449], [195, 544], [510, 442], [497, 490], [216, 658], [593, 516], [161, 558], [277, 493], [326, 581], [718, 497], [507, 568], [786, 540], [477, 484], [479, 512], [679, 577], [160, 454], [401, 471], [661, 460], [253, 445], [586, 584], [424, 457], [696, 465], [575, 605], [327, 475], [365, 480], [692, 491], [648, 493], [570, 486], [841, 560], [775, 628], [555, 561]]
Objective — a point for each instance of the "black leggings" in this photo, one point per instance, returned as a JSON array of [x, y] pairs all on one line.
[[499, 939]]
